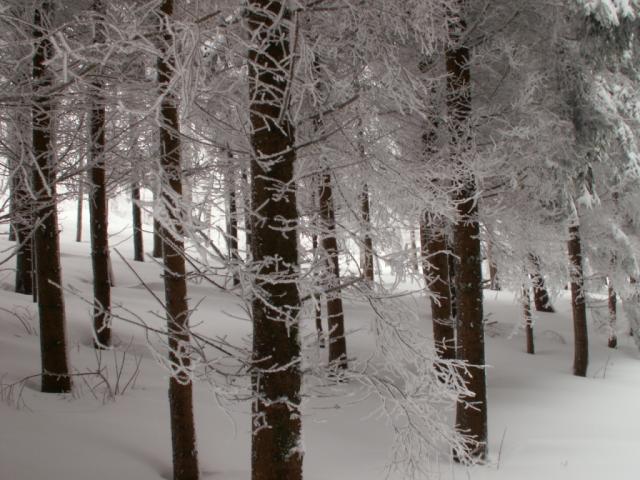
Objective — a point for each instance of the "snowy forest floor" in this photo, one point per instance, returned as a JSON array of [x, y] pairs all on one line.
[[544, 423]]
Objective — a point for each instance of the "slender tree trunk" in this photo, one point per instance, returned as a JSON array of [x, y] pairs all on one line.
[[183, 434], [335, 312], [494, 284], [22, 201], [528, 321], [98, 206], [612, 301], [414, 251], [80, 205], [136, 211], [367, 241], [246, 200], [157, 229], [435, 267], [581, 352], [540, 295], [232, 222], [470, 329], [53, 344], [317, 297], [276, 452]]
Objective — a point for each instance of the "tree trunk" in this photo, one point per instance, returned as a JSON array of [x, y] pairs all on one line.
[[413, 251], [612, 300], [471, 421], [22, 206], [232, 222], [53, 344], [183, 435], [136, 211], [367, 242], [335, 312], [98, 206], [540, 295], [435, 267], [157, 229], [494, 284], [528, 321], [581, 352], [80, 205], [276, 452], [317, 298]]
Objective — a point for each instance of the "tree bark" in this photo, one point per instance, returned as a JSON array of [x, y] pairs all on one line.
[[540, 295], [276, 452], [494, 283], [435, 267], [335, 312], [472, 421], [528, 321], [98, 206], [80, 205], [183, 434], [367, 241], [53, 344], [232, 222], [136, 212], [22, 207], [578, 306], [612, 301]]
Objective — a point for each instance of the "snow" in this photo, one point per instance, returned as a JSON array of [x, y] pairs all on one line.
[[544, 423]]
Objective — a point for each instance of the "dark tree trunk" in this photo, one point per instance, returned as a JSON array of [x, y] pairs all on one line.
[[80, 205], [367, 242], [246, 199], [183, 434], [276, 416], [335, 312], [540, 295], [138, 243], [471, 421], [22, 209], [414, 251], [612, 301], [232, 222], [453, 268], [98, 206], [578, 305], [435, 267], [157, 239], [53, 344], [317, 298], [494, 283], [528, 321]]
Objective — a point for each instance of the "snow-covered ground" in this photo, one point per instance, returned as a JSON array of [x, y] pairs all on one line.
[[544, 423]]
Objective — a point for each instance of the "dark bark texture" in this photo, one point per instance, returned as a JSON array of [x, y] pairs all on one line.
[[232, 222], [98, 207], [578, 305], [136, 212], [22, 207], [183, 435], [276, 452], [528, 320], [335, 311], [540, 295], [367, 240], [470, 328], [435, 267], [612, 301], [53, 346]]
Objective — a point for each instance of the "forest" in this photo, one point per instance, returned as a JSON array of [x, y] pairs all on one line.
[[346, 239]]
